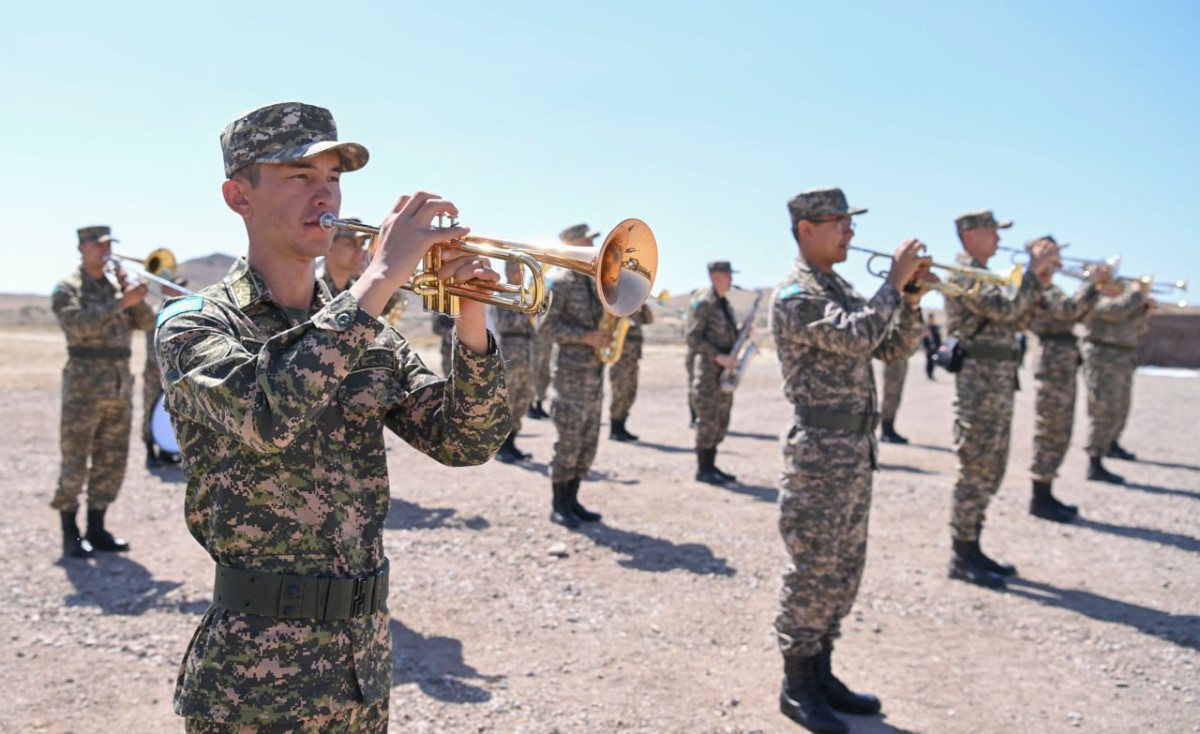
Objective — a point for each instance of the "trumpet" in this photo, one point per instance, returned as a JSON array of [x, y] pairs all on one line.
[[623, 269], [1010, 278], [1152, 287], [158, 267]]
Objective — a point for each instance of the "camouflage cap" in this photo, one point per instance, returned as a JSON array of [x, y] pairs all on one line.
[[349, 232], [578, 232], [1029, 245], [720, 266], [979, 220], [820, 203], [289, 131], [98, 233]]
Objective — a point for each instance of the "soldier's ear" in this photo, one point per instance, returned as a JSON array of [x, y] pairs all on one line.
[[234, 191]]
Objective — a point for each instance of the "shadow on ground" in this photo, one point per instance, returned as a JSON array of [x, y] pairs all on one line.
[[1177, 540], [404, 515], [119, 585], [436, 665], [645, 553]]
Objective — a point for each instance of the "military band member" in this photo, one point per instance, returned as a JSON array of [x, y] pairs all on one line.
[[543, 352], [985, 319], [711, 333], [894, 374], [280, 393], [516, 332], [623, 375], [932, 341], [1054, 324], [346, 259], [573, 323], [151, 392], [97, 393], [827, 334], [1111, 336]]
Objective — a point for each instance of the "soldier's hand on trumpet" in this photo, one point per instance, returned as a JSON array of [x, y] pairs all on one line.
[[908, 259], [1044, 258], [1099, 274], [132, 293]]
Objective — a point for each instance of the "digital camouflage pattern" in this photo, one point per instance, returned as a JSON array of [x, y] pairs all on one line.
[[151, 388], [826, 335], [284, 132], [711, 331], [820, 203], [578, 375], [543, 351], [980, 219], [1054, 323], [577, 232], [99, 233], [365, 719], [983, 389], [97, 388], [280, 423], [516, 333], [1111, 336], [894, 374], [443, 326], [623, 374]]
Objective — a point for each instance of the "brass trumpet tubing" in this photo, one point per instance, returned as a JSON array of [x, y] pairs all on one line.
[[946, 289]]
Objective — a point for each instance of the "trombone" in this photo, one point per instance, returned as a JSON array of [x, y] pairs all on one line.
[[1010, 279], [623, 269], [158, 267]]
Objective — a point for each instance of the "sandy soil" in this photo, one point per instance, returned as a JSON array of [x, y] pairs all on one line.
[[659, 619]]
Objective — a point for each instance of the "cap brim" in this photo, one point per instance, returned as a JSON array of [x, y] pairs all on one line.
[[1004, 225], [354, 156], [106, 238], [591, 235], [856, 210]]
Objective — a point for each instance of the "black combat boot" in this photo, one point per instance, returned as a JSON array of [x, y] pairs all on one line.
[[724, 475], [560, 506], [1097, 473], [73, 545], [965, 566], [618, 432], [1116, 452], [1043, 504], [101, 539], [996, 567], [705, 471], [888, 434], [152, 461], [536, 412], [581, 512], [836, 693], [802, 701], [509, 453]]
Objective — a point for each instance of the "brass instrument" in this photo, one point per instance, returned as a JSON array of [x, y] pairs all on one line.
[[1011, 278], [158, 267], [1151, 286], [623, 269], [616, 327], [742, 351]]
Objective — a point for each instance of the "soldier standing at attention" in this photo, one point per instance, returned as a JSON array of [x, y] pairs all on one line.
[[894, 373], [827, 334], [516, 332], [345, 261], [573, 323], [543, 350], [623, 375], [151, 392], [1111, 336], [1054, 324], [985, 319], [280, 393], [97, 392], [711, 333]]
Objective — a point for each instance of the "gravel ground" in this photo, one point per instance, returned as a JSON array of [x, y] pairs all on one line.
[[659, 619]]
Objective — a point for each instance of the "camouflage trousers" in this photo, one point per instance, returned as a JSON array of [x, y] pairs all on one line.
[[623, 378], [982, 428], [151, 391], [97, 430], [518, 373], [690, 363], [824, 508], [578, 401], [1054, 407], [363, 719], [894, 374], [712, 405], [1109, 374], [543, 350]]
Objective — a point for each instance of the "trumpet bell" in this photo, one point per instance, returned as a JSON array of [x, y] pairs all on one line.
[[161, 262]]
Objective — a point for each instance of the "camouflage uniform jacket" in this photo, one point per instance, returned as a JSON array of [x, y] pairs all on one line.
[[636, 319], [1118, 322], [574, 311], [711, 330], [324, 276], [90, 314], [826, 334], [280, 426], [1054, 322], [990, 301], [510, 323]]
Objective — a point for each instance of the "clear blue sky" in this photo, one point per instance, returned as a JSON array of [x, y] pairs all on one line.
[[1073, 118]]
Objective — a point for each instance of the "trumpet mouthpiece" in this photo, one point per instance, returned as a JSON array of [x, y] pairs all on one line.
[[328, 221]]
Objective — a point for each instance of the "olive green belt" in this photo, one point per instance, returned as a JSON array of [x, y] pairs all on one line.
[[993, 353], [98, 352], [300, 597], [1065, 338], [837, 420], [1112, 345]]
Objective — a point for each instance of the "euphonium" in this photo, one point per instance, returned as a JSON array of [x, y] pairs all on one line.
[[742, 351], [616, 327]]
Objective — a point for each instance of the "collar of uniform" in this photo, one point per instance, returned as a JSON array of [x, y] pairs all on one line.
[[830, 280], [247, 287], [967, 259]]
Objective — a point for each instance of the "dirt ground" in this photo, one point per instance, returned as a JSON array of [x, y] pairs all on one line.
[[660, 618]]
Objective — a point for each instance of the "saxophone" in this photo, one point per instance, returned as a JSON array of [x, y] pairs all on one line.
[[616, 328], [742, 351]]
